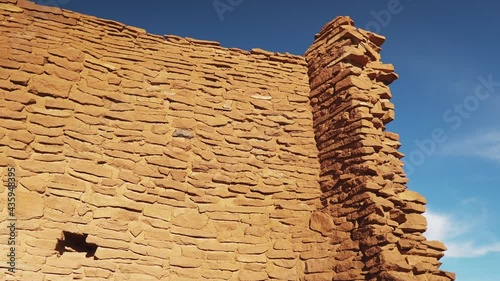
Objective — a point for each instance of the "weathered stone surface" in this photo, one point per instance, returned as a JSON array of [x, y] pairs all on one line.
[[191, 219], [113, 254], [158, 211], [29, 205], [91, 168], [321, 222], [414, 222], [183, 133], [412, 196], [10, 8], [22, 136], [44, 167], [50, 85], [436, 245], [177, 159]]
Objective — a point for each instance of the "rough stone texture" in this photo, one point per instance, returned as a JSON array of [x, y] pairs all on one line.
[[182, 160]]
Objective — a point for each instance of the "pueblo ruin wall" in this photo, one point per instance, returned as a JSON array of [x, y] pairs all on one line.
[[145, 157]]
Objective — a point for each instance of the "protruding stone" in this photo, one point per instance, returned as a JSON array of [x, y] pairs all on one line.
[[49, 85], [29, 205], [414, 222], [412, 196], [321, 222], [183, 133]]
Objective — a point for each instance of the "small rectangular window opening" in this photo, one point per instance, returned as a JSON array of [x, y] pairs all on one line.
[[74, 242]]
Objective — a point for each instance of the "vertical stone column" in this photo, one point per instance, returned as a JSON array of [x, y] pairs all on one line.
[[378, 222]]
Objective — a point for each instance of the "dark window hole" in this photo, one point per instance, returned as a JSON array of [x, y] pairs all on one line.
[[74, 242]]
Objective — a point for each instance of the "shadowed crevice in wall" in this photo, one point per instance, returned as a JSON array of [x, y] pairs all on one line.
[[75, 242]]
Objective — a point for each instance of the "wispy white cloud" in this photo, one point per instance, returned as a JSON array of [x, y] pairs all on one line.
[[484, 145], [460, 234], [442, 227], [469, 249]]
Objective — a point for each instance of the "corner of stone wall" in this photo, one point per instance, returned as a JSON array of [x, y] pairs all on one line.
[[378, 222]]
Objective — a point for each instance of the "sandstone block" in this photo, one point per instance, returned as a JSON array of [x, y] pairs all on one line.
[[185, 262], [47, 121], [281, 273], [436, 245], [22, 136], [247, 258], [319, 265], [108, 253], [412, 196], [44, 167], [191, 219], [29, 205], [99, 200], [91, 168], [50, 85], [414, 223], [321, 222], [247, 275], [253, 249], [10, 114], [165, 161], [67, 52], [10, 8]]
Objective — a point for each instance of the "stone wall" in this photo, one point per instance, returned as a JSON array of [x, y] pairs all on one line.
[[145, 157]]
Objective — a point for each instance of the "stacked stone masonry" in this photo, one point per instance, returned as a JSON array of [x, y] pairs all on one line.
[[176, 159]]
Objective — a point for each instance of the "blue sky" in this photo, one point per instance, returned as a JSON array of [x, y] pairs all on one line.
[[446, 110]]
